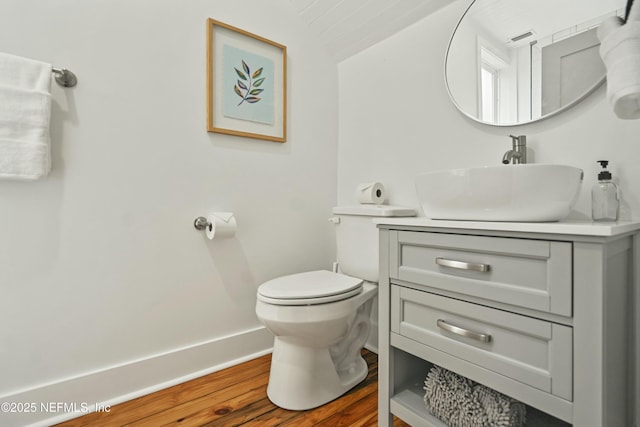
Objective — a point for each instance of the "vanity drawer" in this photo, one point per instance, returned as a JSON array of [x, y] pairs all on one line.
[[532, 351], [535, 274]]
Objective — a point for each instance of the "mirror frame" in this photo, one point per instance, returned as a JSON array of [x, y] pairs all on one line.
[[562, 109]]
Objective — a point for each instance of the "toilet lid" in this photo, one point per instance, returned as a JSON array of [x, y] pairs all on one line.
[[313, 287]]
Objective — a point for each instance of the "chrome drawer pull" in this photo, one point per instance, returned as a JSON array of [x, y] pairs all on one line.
[[463, 332], [461, 265]]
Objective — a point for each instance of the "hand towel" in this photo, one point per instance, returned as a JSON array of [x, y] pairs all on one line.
[[25, 112], [620, 52], [24, 73]]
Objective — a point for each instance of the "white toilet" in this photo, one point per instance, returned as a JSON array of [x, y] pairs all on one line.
[[321, 319]]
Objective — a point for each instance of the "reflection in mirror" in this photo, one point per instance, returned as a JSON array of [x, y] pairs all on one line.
[[513, 62]]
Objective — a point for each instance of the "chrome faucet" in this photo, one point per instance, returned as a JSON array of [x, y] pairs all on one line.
[[518, 153]]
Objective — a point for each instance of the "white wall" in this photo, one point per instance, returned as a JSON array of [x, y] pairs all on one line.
[[396, 120], [101, 269]]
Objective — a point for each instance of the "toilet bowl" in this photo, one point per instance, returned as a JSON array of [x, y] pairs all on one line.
[[321, 319], [316, 351]]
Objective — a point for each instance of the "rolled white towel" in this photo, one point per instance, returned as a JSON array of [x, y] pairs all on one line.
[[608, 26], [620, 52]]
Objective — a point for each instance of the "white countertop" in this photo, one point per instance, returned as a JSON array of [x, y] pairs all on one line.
[[579, 227]]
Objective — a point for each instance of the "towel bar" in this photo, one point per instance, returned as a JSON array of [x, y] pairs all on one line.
[[65, 77]]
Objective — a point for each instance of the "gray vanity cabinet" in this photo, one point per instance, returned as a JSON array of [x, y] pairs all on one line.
[[543, 316]]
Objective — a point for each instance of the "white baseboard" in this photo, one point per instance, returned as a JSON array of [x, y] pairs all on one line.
[[72, 397]]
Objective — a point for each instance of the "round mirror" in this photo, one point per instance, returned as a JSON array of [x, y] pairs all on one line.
[[515, 62]]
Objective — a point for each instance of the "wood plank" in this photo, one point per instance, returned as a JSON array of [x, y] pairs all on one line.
[[213, 405], [148, 405], [237, 396], [361, 413], [246, 414], [368, 388]]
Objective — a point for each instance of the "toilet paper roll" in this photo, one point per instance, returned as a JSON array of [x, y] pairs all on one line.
[[371, 193], [222, 225]]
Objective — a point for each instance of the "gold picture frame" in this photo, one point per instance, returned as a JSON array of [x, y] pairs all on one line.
[[246, 84]]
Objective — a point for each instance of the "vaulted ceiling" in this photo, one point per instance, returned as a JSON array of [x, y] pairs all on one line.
[[347, 27]]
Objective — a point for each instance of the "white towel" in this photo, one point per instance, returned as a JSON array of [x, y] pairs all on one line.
[[24, 73], [25, 112], [620, 52]]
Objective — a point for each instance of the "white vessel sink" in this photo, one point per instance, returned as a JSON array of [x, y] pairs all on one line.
[[523, 193]]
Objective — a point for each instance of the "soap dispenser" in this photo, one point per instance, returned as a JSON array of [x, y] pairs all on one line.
[[604, 196]]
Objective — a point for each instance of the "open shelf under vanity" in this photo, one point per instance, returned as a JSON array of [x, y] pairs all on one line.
[[408, 403]]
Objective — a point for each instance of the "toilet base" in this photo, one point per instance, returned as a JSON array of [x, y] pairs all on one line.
[[304, 378]]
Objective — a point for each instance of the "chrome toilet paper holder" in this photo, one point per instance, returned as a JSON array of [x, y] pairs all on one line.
[[201, 223], [218, 225]]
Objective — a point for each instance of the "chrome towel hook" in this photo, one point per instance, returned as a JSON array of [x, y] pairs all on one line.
[[65, 77]]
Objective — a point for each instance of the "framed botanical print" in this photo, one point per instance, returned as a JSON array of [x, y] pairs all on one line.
[[246, 84]]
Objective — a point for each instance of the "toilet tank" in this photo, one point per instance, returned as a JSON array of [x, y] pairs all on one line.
[[357, 237]]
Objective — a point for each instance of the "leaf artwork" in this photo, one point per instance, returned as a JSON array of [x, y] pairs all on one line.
[[248, 85]]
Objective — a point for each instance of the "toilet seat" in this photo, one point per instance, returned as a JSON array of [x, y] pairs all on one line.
[[310, 288]]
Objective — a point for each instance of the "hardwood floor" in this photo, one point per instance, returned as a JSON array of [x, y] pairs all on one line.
[[237, 396]]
